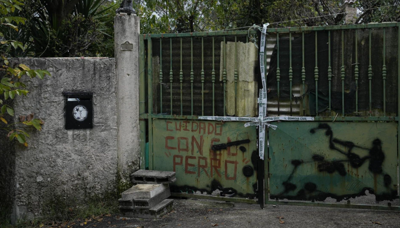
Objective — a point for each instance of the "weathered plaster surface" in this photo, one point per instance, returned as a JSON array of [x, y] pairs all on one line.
[[68, 164], [127, 28]]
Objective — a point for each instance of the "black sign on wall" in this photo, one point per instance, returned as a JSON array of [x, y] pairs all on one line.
[[78, 110]]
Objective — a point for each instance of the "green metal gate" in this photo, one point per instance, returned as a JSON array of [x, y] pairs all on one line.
[[346, 77], [184, 76]]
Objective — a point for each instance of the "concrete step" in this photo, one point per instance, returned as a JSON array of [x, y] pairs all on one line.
[[153, 176], [144, 191], [155, 212], [149, 203], [126, 204], [143, 197]]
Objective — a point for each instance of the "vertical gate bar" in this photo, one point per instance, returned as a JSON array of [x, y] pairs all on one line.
[[278, 72], [342, 72], [398, 104], [202, 76], [150, 98], [266, 167], [290, 71], [384, 72], [181, 78], [236, 73], [213, 78], [191, 75], [161, 76], [370, 74], [171, 76], [142, 102], [303, 70], [356, 73], [329, 72], [224, 73], [316, 73]]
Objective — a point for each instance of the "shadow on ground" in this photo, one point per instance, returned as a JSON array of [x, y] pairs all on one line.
[[203, 213]]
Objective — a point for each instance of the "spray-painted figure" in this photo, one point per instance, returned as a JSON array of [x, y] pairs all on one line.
[[126, 7], [375, 157], [310, 190]]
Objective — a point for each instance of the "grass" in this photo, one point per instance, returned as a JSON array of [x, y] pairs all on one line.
[[60, 211]]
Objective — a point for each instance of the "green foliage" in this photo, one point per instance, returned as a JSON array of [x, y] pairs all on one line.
[[378, 11], [67, 28], [105, 47], [11, 84], [175, 16], [210, 15]]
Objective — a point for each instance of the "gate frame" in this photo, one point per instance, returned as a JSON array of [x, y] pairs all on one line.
[[148, 156]]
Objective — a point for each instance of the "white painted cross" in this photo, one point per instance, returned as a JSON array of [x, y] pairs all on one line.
[[262, 120]]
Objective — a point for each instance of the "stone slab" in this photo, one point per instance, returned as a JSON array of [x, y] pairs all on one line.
[[149, 203], [155, 212], [153, 176], [126, 204], [144, 191]]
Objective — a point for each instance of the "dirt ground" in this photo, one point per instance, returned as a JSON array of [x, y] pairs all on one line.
[[203, 213]]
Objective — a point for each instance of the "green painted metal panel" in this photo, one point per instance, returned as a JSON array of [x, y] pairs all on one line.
[[313, 161], [186, 147]]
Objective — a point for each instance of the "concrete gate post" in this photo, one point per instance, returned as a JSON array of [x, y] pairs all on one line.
[[126, 46]]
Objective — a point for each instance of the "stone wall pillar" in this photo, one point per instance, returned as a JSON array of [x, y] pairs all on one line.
[[351, 12], [127, 30]]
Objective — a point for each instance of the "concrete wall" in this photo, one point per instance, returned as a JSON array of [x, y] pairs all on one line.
[[7, 173], [64, 164]]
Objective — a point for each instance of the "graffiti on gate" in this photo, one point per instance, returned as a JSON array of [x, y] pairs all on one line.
[[205, 153], [372, 156]]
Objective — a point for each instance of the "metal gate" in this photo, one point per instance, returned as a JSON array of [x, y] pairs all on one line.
[[184, 76], [345, 77]]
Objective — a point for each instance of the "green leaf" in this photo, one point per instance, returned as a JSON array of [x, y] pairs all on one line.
[[39, 74], [5, 95], [6, 81], [3, 109], [17, 44], [11, 70], [12, 136], [11, 25], [10, 111], [24, 67], [12, 94], [20, 139], [24, 92], [36, 124], [31, 73], [15, 19]]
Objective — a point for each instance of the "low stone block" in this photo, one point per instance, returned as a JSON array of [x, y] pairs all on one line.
[[155, 212], [149, 203], [153, 176], [126, 204], [144, 191]]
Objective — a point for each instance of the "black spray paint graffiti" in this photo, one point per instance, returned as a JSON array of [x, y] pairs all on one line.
[[224, 146], [310, 190], [248, 171]]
